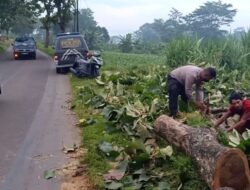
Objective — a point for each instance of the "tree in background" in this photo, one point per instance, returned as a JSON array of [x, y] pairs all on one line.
[[207, 20], [94, 35], [204, 22], [24, 25], [126, 43], [47, 7], [147, 33], [174, 26], [64, 12], [18, 14], [160, 30]]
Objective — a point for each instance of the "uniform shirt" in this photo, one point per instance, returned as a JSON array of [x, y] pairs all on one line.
[[188, 76], [244, 112]]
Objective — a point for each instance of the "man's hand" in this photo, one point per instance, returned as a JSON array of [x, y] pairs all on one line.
[[201, 106]]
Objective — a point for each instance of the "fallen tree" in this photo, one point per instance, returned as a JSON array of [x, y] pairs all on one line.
[[221, 167]]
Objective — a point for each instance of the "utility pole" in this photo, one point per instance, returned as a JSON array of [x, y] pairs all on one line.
[[74, 27], [77, 18]]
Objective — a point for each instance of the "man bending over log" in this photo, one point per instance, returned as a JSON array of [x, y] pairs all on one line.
[[240, 107], [181, 81]]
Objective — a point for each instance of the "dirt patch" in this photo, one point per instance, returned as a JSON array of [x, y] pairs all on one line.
[[73, 174]]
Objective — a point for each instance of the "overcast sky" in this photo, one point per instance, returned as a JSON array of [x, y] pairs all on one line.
[[126, 16]]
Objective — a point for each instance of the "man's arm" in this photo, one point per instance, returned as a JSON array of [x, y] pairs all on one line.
[[189, 82], [245, 117], [238, 125], [222, 119], [199, 93]]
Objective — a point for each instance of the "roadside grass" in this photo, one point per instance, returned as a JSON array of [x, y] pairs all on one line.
[[93, 134], [4, 44], [50, 51]]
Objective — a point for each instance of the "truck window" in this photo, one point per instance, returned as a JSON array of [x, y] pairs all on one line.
[[66, 43]]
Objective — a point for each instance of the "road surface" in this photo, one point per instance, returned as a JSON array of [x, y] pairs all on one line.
[[34, 122]]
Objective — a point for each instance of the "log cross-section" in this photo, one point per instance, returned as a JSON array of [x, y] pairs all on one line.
[[221, 167]]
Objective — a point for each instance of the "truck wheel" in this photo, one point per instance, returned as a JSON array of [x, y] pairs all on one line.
[[58, 70]]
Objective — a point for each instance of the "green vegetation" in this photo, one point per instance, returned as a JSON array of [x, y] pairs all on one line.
[[123, 103], [4, 44], [50, 51], [117, 110], [127, 98]]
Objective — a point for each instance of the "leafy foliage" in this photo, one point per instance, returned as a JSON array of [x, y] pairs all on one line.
[[133, 99], [95, 35], [204, 22], [64, 12], [207, 20], [18, 13], [126, 44]]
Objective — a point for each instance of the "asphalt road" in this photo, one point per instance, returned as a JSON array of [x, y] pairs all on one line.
[[34, 122]]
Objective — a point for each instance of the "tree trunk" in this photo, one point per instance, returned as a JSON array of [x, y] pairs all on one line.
[[221, 167], [46, 37]]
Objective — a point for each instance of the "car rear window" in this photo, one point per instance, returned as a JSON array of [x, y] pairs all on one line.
[[66, 43], [24, 39]]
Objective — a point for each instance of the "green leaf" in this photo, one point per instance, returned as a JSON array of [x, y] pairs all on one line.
[[163, 186], [99, 82], [98, 102], [153, 107], [108, 149], [234, 138], [114, 185], [105, 147], [119, 89], [123, 166], [144, 177], [168, 151], [90, 121], [139, 172], [139, 160], [82, 121], [246, 134], [111, 89], [48, 174]]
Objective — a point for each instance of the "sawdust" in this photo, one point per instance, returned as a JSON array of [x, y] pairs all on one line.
[[73, 174]]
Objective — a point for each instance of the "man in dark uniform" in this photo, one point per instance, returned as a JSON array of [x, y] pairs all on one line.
[[181, 81]]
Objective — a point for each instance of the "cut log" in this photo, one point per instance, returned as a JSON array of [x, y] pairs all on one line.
[[221, 167]]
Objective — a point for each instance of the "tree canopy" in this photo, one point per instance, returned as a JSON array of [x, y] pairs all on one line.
[[206, 21]]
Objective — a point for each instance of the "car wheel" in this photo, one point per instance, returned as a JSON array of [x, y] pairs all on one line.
[[58, 70]]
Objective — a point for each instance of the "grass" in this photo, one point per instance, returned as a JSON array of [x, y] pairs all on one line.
[[4, 44], [124, 61], [92, 135], [50, 51]]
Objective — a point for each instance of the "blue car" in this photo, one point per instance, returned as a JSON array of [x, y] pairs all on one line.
[[24, 47]]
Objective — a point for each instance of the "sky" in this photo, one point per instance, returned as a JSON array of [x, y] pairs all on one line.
[[120, 17]]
